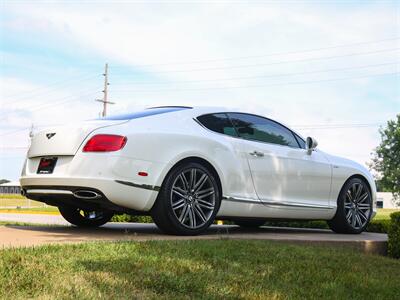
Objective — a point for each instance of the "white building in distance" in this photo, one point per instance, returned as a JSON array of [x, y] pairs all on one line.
[[386, 200], [10, 188]]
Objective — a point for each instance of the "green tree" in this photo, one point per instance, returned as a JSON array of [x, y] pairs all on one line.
[[4, 181], [386, 160]]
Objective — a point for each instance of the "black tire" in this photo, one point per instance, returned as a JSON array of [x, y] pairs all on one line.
[[85, 218], [249, 223], [353, 212], [186, 201]]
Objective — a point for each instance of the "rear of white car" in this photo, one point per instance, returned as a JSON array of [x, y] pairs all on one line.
[[86, 165]]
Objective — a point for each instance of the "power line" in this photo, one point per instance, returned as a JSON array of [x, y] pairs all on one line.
[[260, 85], [263, 55], [243, 66], [267, 76], [47, 90], [49, 106], [277, 63], [342, 124], [44, 105], [337, 127], [15, 131], [28, 128], [22, 156], [297, 126], [14, 148], [74, 99], [302, 127]]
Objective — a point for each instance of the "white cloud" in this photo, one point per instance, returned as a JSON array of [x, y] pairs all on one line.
[[140, 34]]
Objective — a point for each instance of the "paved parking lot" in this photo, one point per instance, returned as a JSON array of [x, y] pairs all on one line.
[[17, 236]]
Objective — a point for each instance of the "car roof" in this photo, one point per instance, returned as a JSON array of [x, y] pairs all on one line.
[[193, 112]]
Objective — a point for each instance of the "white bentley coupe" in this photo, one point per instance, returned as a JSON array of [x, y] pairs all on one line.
[[187, 166]]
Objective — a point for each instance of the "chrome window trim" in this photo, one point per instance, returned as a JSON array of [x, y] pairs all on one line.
[[242, 138]]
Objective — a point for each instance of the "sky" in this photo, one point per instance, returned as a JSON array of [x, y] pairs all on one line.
[[329, 69]]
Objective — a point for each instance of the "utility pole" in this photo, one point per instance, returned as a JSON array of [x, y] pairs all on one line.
[[31, 131], [105, 92]]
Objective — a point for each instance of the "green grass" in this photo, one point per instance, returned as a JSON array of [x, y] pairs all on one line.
[[34, 210], [16, 200], [12, 196], [384, 213], [15, 223], [196, 270]]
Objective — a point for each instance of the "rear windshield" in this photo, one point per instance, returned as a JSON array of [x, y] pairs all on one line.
[[145, 113]]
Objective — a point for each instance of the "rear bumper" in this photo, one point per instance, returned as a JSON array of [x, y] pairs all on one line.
[[68, 195], [113, 194]]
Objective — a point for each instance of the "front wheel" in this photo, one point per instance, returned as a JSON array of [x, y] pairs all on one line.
[[188, 200], [85, 218], [354, 208]]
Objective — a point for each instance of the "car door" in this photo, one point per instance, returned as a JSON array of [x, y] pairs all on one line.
[[238, 182], [283, 173]]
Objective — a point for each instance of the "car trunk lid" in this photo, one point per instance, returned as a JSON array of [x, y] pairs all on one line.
[[65, 140]]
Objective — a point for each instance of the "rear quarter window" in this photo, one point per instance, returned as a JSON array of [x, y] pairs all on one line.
[[219, 123]]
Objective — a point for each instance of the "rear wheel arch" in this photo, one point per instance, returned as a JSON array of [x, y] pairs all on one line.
[[179, 209], [201, 161]]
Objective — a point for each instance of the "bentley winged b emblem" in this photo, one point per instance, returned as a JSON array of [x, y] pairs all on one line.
[[50, 135]]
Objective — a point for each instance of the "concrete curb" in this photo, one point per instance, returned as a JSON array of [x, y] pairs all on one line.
[[23, 236]]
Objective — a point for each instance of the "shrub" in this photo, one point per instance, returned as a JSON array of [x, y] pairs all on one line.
[[131, 219], [394, 235], [298, 224], [378, 226]]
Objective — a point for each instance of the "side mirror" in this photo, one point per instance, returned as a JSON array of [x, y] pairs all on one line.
[[311, 144]]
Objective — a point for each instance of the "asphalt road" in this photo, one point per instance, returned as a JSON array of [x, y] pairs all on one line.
[[19, 236]]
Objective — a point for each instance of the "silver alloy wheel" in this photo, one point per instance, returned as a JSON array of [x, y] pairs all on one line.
[[357, 206], [193, 198]]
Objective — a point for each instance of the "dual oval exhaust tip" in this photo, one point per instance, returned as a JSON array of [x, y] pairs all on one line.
[[80, 194], [87, 195]]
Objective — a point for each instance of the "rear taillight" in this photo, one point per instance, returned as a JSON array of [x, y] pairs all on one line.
[[105, 143]]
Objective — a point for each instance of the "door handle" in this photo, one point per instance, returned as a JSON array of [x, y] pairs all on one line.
[[256, 154]]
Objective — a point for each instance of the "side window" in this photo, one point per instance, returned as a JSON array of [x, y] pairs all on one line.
[[301, 142], [219, 123], [260, 129]]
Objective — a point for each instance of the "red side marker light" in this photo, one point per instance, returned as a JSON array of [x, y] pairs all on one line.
[[142, 174], [105, 143]]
